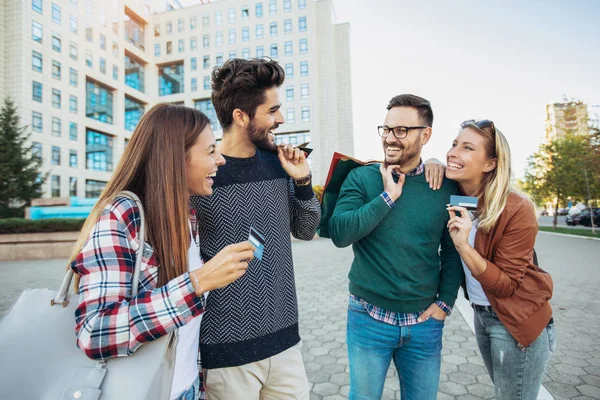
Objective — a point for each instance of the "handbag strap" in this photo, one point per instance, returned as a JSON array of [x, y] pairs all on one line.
[[63, 292]]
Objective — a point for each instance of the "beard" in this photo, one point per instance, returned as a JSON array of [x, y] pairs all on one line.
[[260, 137], [407, 153]]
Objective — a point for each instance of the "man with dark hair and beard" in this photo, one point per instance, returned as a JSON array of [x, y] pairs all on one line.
[[401, 287], [250, 344]]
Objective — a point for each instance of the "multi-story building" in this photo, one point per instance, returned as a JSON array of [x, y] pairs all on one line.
[[563, 118], [83, 72]]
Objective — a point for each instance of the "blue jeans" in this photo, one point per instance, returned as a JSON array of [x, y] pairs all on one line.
[[416, 351], [517, 374], [193, 393]]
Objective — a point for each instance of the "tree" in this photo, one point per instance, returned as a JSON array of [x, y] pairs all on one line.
[[20, 176]]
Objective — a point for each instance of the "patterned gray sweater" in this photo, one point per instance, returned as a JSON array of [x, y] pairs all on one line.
[[255, 317]]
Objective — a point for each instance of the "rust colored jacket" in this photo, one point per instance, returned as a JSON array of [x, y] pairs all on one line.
[[517, 289]]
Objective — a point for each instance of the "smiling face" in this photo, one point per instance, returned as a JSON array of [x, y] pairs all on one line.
[[468, 159], [266, 119], [202, 161], [404, 151]]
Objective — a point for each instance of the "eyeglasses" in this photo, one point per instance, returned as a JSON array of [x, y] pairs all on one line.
[[482, 124], [399, 132]]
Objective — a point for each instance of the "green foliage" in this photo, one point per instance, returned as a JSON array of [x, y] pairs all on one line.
[[571, 231], [20, 177], [20, 225]]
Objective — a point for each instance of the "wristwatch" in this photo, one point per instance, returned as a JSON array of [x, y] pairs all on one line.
[[304, 181]]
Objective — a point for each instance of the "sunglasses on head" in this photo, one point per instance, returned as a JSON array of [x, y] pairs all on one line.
[[481, 124]]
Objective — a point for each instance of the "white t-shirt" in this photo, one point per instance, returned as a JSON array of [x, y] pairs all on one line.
[[476, 293], [186, 358]]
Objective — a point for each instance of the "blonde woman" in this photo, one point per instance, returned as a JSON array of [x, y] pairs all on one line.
[[509, 293], [171, 156]]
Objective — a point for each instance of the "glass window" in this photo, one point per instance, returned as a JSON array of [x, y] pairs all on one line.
[[206, 82], [170, 79], [169, 28], [194, 64], [102, 65], [36, 61], [115, 27], [37, 5], [193, 43], [157, 50], [272, 7], [206, 41], [245, 13], [289, 70], [73, 158], [134, 73], [56, 42], [99, 102], [303, 46], [55, 155], [287, 26], [219, 59], [219, 17], [88, 58], [36, 31], [180, 45], [219, 39], [206, 62], [98, 151], [134, 32], [304, 91], [305, 114], [156, 30], [73, 3], [169, 47], [180, 25], [89, 34], [115, 72], [56, 13], [56, 98], [73, 24], [205, 20], [37, 91], [304, 68], [72, 131], [289, 93], [287, 5], [274, 51], [115, 46], [73, 104], [37, 122], [245, 34], [259, 10], [73, 52], [232, 36], [36, 150], [93, 189], [231, 15], [194, 85], [246, 53], [288, 48], [290, 116], [56, 127], [273, 28], [133, 113], [73, 186], [301, 4], [103, 41], [232, 54], [55, 179], [259, 31], [302, 24], [206, 106], [193, 22], [260, 51]]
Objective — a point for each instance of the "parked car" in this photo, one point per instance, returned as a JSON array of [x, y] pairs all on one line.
[[585, 218], [573, 216], [562, 211]]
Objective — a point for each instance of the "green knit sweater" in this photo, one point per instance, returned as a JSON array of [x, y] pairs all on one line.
[[398, 264]]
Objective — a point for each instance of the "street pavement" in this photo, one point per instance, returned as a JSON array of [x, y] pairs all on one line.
[[321, 276], [561, 222]]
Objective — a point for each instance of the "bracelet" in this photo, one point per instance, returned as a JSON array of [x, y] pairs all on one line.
[[304, 181], [198, 285]]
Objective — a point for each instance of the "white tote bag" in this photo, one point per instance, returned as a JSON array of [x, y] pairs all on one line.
[[41, 361]]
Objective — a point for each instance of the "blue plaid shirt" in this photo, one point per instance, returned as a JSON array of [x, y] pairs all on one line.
[[390, 317]]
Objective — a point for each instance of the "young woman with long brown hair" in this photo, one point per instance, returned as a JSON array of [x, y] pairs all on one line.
[[508, 291], [171, 156]]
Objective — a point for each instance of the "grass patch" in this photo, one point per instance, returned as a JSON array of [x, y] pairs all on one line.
[[21, 225], [572, 231]]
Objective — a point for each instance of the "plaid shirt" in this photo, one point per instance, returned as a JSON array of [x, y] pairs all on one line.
[[109, 322], [390, 317]]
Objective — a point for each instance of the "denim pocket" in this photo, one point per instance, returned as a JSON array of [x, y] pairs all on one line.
[[551, 330], [356, 306]]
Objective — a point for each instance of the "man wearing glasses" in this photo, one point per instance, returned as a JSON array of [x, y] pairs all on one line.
[[401, 286]]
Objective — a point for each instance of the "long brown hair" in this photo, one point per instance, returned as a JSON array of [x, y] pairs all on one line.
[[153, 167]]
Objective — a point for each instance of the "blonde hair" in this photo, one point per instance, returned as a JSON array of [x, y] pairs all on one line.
[[496, 185]]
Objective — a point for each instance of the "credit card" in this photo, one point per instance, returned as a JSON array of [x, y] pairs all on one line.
[[468, 202], [305, 149], [258, 241]]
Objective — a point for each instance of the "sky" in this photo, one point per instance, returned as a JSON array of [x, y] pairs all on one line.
[[499, 60]]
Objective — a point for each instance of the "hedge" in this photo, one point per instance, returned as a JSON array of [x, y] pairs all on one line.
[[21, 225]]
